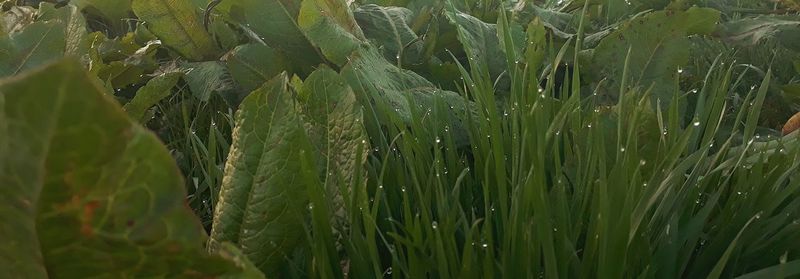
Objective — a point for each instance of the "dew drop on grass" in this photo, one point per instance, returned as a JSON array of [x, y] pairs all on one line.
[[642, 162], [435, 225], [438, 140], [485, 245], [622, 149], [696, 123]]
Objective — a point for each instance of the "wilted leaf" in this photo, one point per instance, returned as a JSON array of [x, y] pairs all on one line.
[[178, 25], [262, 202], [149, 95], [751, 31], [85, 192], [252, 65], [659, 46], [37, 44], [330, 26]]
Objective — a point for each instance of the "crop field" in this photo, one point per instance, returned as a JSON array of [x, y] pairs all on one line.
[[399, 139]]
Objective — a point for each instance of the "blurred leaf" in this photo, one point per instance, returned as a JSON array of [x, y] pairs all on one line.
[[537, 45], [178, 25], [149, 95], [122, 62], [35, 45], [658, 45], [252, 65], [752, 31], [75, 26], [262, 203], [330, 26], [16, 18], [85, 192], [113, 12]]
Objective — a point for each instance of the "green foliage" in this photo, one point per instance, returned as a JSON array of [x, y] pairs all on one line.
[[419, 139], [110, 204], [178, 25]]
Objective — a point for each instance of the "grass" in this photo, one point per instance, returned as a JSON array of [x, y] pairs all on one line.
[[552, 184], [569, 188]]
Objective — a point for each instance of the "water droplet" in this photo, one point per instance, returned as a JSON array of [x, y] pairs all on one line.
[[485, 245], [642, 162], [622, 149], [696, 123], [680, 70], [435, 225]]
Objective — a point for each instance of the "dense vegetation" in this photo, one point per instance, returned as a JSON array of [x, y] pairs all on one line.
[[399, 138]]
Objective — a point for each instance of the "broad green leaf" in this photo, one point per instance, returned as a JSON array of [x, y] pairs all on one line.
[[121, 62], [752, 31], [482, 44], [114, 12], [85, 192], [379, 82], [252, 65], [659, 47], [36, 45], [178, 25], [206, 78], [563, 25], [330, 26], [149, 95], [537, 45], [387, 28], [75, 26], [275, 22], [335, 124], [262, 202]]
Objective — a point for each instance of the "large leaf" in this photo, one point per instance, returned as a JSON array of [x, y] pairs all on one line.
[[481, 42], [112, 12], [751, 31], [122, 62], [334, 122], [387, 28], [659, 46], [252, 65], [85, 192], [275, 22], [206, 78], [178, 25], [37, 44], [330, 26], [149, 95], [394, 90], [74, 23], [262, 202]]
